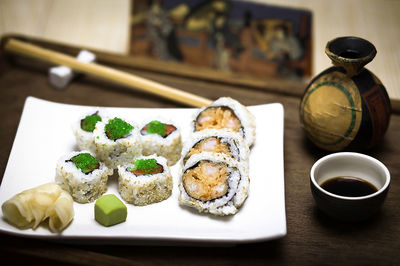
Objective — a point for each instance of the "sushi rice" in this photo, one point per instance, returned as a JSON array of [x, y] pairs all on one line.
[[85, 139], [82, 187], [245, 117], [237, 181], [146, 188], [207, 139], [169, 147], [120, 151]]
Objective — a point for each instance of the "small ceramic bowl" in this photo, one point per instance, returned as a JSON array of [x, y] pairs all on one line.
[[349, 164]]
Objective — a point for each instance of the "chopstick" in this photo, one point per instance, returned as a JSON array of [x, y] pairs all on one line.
[[107, 73]]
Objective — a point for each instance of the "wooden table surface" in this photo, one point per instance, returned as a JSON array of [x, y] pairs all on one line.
[[312, 238]]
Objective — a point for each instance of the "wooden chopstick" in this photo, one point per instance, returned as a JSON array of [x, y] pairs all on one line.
[[124, 78]]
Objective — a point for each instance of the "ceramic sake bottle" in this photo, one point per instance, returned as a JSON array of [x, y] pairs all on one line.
[[346, 107]]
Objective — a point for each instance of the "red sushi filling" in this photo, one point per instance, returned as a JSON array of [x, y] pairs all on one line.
[[146, 167], [156, 127], [158, 170]]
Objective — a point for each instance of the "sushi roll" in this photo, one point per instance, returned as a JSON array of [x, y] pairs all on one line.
[[216, 141], [82, 175], [229, 114], [117, 142], [83, 130], [148, 180], [214, 183], [162, 138]]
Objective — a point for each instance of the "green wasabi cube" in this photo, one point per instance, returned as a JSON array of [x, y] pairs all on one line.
[[109, 210]]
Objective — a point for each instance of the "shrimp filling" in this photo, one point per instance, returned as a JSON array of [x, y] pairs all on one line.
[[206, 181], [217, 118], [211, 144]]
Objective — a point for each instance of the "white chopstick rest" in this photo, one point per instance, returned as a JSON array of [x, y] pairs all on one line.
[[61, 76], [86, 56]]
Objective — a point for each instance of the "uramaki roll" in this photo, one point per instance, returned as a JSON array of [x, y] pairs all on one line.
[[117, 142], [214, 183], [82, 175], [161, 137], [226, 113], [217, 141], [83, 129], [147, 180]]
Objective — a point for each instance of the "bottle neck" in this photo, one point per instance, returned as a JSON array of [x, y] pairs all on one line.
[[351, 53]]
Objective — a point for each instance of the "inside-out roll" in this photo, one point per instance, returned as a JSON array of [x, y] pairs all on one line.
[[161, 137], [214, 183], [216, 141], [82, 175], [229, 114], [147, 180], [117, 141], [83, 129]]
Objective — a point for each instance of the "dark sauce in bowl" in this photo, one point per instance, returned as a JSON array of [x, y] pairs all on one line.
[[349, 186]]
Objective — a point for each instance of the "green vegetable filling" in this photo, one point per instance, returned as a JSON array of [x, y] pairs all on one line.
[[85, 162], [156, 127], [117, 128], [89, 122], [146, 165]]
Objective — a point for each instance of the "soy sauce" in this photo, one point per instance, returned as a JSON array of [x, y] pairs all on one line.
[[348, 186]]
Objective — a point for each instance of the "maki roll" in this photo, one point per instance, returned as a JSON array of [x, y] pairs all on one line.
[[82, 175], [214, 183], [217, 141], [229, 114], [162, 138], [148, 180], [117, 142], [83, 130]]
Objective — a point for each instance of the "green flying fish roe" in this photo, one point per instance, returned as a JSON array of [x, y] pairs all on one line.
[[89, 122], [146, 165], [85, 162], [156, 127], [117, 128]]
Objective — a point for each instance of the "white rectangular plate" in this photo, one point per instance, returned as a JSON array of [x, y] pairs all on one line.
[[44, 135]]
